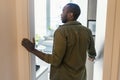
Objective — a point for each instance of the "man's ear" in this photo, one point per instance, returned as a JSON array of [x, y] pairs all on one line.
[[70, 15]]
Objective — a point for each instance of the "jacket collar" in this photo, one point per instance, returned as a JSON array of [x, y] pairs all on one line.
[[72, 23]]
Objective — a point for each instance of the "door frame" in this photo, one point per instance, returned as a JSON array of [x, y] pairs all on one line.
[[111, 67], [111, 64]]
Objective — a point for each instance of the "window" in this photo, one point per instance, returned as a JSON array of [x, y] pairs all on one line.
[[47, 15]]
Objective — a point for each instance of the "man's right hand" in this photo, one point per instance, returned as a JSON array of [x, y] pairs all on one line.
[[28, 45], [91, 59]]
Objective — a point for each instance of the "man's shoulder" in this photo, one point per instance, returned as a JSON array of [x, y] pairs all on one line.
[[72, 24]]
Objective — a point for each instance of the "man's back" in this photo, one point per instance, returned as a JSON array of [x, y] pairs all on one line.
[[77, 39]]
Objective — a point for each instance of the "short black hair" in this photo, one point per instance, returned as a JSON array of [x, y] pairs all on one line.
[[75, 9]]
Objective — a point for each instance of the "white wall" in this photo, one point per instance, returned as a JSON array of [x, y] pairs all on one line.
[[83, 16], [100, 37]]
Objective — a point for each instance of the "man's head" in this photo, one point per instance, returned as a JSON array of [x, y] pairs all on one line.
[[70, 12]]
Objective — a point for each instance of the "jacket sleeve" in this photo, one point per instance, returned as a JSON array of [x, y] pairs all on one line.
[[91, 48]]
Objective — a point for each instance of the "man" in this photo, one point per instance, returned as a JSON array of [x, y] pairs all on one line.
[[71, 42]]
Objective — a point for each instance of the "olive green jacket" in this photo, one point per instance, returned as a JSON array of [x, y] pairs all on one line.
[[71, 43]]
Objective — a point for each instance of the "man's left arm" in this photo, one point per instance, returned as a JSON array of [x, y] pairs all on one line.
[[91, 49]]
